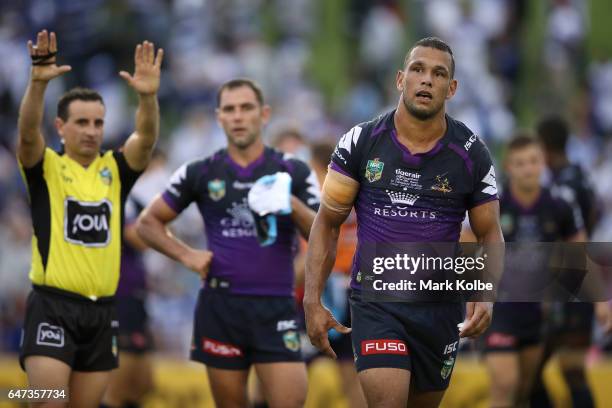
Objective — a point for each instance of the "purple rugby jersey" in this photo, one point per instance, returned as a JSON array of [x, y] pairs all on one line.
[[406, 197], [219, 187]]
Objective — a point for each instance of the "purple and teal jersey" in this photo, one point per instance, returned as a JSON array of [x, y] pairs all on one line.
[[219, 187], [405, 197]]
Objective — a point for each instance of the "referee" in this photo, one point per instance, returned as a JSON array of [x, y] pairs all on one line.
[[77, 197]]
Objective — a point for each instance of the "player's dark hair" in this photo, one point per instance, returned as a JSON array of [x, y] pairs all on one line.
[[520, 141], [553, 132], [76, 94], [240, 82], [321, 152], [438, 44]]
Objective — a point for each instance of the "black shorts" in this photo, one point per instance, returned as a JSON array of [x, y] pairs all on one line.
[[70, 328], [235, 331], [134, 334], [515, 326], [420, 337]]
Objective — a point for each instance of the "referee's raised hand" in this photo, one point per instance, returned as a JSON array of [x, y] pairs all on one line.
[[43, 55], [147, 69]]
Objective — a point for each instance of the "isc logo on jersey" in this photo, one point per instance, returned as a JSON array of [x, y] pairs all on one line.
[[87, 223]]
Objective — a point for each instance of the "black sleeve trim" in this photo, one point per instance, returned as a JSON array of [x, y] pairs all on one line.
[[126, 174], [40, 207]]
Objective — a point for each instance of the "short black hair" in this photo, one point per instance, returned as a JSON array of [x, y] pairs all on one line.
[[553, 132], [76, 94], [237, 83], [438, 44]]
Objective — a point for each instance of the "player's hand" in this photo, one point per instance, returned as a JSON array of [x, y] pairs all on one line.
[[318, 322], [478, 316], [198, 261], [603, 313], [44, 67], [147, 71]]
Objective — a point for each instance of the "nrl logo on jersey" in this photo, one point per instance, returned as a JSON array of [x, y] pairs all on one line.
[[374, 170], [106, 175], [216, 189]]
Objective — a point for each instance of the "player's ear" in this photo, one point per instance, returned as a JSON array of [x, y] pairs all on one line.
[[452, 89], [59, 125], [399, 80], [266, 111]]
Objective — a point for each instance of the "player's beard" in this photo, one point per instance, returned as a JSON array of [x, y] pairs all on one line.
[[420, 113]]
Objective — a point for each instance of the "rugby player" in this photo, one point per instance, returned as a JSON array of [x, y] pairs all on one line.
[[133, 380], [245, 313], [529, 212], [411, 174], [571, 331], [77, 198]]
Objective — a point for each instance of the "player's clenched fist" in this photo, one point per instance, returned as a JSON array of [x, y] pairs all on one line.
[[43, 55]]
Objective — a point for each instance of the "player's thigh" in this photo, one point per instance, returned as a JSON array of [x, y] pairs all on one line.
[[385, 387], [131, 380], [229, 387], [529, 361], [504, 371], [87, 388], [47, 373], [139, 368], [350, 384], [284, 383]]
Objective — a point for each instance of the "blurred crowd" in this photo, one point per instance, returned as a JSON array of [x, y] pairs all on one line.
[[323, 66]]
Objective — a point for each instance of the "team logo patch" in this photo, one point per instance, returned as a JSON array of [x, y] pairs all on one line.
[[383, 346], [49, 335], [374, 170], [114, 346], [107, 176], [216, 189], [291, 340], [442, 185], [217, 348], [87, 223], [447, 368]]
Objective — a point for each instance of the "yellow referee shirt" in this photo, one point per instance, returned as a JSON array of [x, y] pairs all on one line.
[[77, 214]]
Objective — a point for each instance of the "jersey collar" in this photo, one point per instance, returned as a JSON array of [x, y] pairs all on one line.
[[415, 159]]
